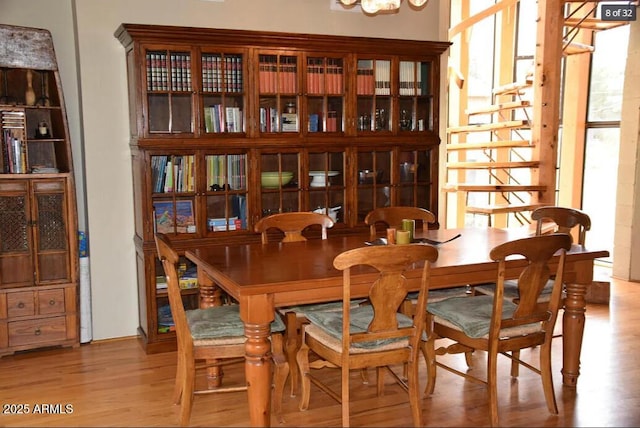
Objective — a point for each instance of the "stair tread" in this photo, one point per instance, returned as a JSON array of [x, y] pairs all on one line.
[[573, 48], [500, 208], [511, 124], [492, 165], [499, 107], [593, 23], [489, 145], [473, 187], [513, 88]]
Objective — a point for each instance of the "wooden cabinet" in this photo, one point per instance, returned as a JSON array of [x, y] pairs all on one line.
[[38, 220], [228, 126]]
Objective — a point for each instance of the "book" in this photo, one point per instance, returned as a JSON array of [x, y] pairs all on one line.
[[173, 217], [289, 122]]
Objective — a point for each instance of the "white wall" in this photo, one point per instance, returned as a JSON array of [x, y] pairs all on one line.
[[101, 126]]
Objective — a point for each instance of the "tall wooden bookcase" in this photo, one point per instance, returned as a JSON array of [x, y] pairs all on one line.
[[353, 121], [38, 216]]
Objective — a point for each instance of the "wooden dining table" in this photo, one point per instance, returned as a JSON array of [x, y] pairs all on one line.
[[262, 277]]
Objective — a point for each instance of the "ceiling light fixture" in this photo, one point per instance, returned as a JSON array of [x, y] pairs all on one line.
[[375, 6]]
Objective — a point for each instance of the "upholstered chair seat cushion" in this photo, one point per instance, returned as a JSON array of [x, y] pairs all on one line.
[[472, 315], [437, 295], [220, 322], [360, 318], [511, 290]]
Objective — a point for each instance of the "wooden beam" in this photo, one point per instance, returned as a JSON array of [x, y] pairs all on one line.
[[466, 23], [546, 105]]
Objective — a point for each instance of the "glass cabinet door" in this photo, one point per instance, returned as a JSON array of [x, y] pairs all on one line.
[[373, 91], [324, 82], [415, 97], [417, 179], [280, 182], [226, 193], [327, 184], [374, 181], [169, 91], [173, 193], [278, 99], [222, 92]]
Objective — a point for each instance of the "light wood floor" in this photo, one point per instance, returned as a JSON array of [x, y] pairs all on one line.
[[113, 383]]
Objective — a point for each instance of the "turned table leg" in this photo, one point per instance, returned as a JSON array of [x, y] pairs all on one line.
[[257, 312], [573, 322], [210, 295]]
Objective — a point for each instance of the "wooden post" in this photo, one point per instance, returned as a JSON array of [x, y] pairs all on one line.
[[546, 108]]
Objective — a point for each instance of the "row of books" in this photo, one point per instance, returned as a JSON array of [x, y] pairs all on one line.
[[12, 142], [224, 224], [414, 78], [227, 169], [373, 80], [324, 79], [221, 74], [289, 121], [277, 76], [159, 70], [218, 118], [173, 173]]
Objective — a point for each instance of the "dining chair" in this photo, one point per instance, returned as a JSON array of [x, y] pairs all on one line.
[[392, 217], [292, 224], [565, 220], [214, 336], [500, 326], [376, 335]]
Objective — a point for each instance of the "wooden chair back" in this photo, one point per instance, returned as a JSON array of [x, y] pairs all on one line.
[[538, 251], [387, 292], [293, 224], [169, 258], [393, 216], [566, 219]]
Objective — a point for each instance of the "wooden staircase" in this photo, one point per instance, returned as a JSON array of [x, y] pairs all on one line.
[[491, 162]]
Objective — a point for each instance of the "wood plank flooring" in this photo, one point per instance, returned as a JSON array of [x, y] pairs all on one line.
[[114, 383]]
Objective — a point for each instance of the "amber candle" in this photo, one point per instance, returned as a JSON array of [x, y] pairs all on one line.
[[391, 235]]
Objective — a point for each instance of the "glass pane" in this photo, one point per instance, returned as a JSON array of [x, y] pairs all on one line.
[[173, 174], [374, 174], [607, 74], [365, 82], [326, 188], [158, 112], [601, 158], [226, 192], [181, 113], [280, 182]]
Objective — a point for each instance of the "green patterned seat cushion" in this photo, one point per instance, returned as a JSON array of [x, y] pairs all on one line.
[[360, 318], [436, 295], [327, 306], [472, 315], [221, 321], [511, 289]]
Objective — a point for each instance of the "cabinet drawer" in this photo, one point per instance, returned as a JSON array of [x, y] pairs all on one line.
[[50, 302], [37, 331], [20, 304]]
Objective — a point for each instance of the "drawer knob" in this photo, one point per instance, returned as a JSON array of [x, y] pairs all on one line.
[[37, 331], [21, 305], [52, 302]]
